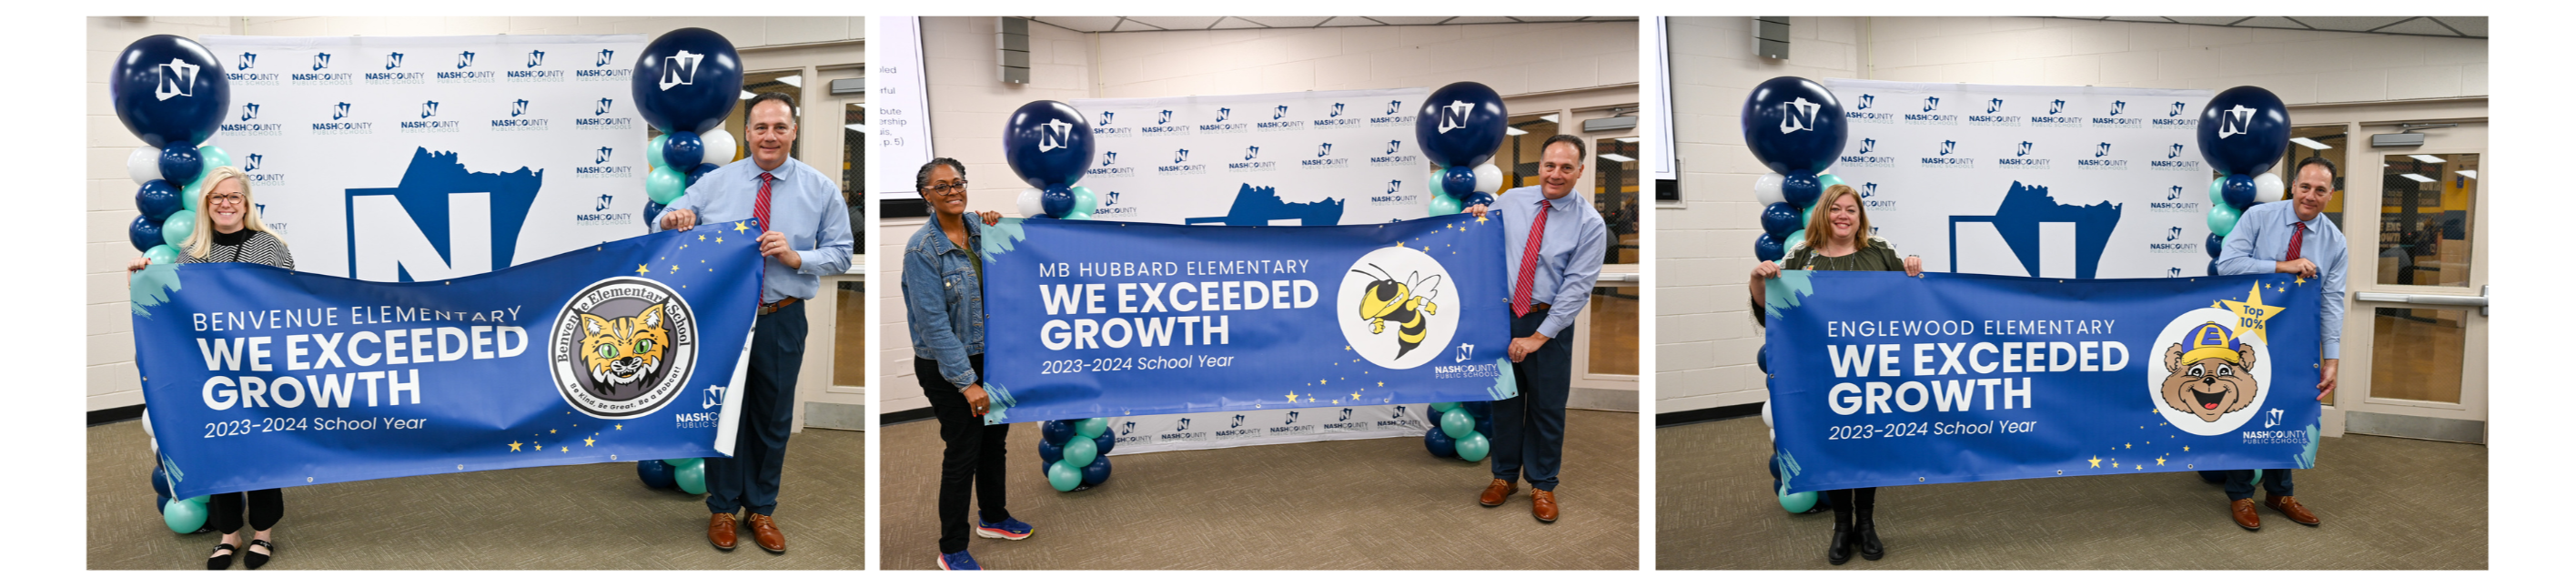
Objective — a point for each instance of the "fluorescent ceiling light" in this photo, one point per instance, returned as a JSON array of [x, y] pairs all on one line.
[[2310, 143], [2472, 174], [2426, 158], [747, 95], [794, 80], [1513, 131], [1548, 118], [2417, 177], [1617, 157], [1630, 139]]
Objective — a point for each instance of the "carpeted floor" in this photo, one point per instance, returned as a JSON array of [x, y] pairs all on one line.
[[2386, 503], [566, 517], [1360, 504]]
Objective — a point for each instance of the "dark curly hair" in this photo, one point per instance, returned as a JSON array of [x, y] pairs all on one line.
[[921, 179]]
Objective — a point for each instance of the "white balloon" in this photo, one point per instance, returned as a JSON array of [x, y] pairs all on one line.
[[147, 422], [1489, 179], [2268, 188], [1766, 414], [1767, 189], [1032, 203], [719, 146], [143, 164]]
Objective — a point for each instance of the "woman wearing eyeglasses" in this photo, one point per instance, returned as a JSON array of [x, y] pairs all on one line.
[[943, 295], [229, 230]]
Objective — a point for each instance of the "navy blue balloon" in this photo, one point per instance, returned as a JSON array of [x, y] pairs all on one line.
[[1481, 409], [2238, 191], [157, 199], [167, 103], [1485, 426], [699, 172], [1056, 431], [1460, 125], [1767, 247], [1050, 452], [1475, 198], [160, 483], [687, 80], [652, 213], [1794, 125], [180, 164], [2216, 244], [2213, 267], [144, 232], [1458, 180], [2244, 130], [1097, 473], [684, 150], [1439, 443], [1107, 441], [656, 474], [1802, 189], [1779, 219], [1762, 357], [1057, 199], [1048, 143]]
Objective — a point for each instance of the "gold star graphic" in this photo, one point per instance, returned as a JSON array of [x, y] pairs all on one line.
[[2251, 312], [719, 239], [738, 227], [550, 430], [702, 237], [2186, 448], [1356, 395], [1480, 220], [675, 269], [541, 448], [640, 269], [2096, 461], [589, 441], [2160, 461], [2128, 446], [1292, 397], [514, 446], [567, 449], [621, 427], [2142, 467]]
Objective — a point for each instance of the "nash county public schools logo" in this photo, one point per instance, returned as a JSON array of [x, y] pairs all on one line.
[[622, 347], [1454, 116], [1394, 295], [2213, 368], [1797, 115], [1931, 103], [2232, 122], [1865, 101], [604, 105], [1053, 135], [680, 69], [393, 60], [174, 79]]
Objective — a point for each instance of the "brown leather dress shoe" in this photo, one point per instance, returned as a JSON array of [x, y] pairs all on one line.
[[2290, 507], [2243, 511], [720, 531], [1543, 505], [764, 531], [1496, 492]]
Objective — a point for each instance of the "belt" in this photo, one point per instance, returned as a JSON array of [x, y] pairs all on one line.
[[1538, 307], [780, 304]]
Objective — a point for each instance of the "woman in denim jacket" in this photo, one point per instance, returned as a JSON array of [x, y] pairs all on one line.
[[943, 294]]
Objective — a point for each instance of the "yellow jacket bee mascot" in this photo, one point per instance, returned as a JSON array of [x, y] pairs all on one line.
[[1407, 303]]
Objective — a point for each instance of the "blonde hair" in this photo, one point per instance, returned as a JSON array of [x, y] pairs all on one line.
[[201, 243], [1820, 226]]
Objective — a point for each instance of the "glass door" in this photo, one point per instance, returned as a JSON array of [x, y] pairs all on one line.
[[2415, 339]]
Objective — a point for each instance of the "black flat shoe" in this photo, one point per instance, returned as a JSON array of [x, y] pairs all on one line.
[[1841, 549], [253, 559], [225, 561]]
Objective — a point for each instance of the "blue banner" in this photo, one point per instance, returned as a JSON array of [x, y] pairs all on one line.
[[1879, 379], [257, 377], [1102, 319]]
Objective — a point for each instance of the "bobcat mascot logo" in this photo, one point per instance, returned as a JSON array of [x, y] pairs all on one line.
[[2212, 373], [623, 347]]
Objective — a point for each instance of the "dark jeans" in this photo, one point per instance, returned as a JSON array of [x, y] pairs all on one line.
[[749, 479], [973, 461], [2240, 483], [1531, 427], [266, 507]]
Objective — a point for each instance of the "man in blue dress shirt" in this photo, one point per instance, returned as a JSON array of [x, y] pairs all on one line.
[[804, 231], [2291, 237], [1552, 252]]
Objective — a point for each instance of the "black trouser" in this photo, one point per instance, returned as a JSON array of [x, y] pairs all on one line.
[[1849, 499], [749, 480], [973, 461], [266, 507]]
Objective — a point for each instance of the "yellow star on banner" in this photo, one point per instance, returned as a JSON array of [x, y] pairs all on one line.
[[719, 240], [1480, 220], [1292, 397], [2160, 461], [567, 449], [2186, 448], [675, 269], [589, 441], [621, 427], [2096, 461], [550, 431], [541, 447], [702, 237], [2251, 312], [640, 269], [2128, 446], [738, 227], [2303, 280], [514, 446], [2142, 467], [1356, 395]]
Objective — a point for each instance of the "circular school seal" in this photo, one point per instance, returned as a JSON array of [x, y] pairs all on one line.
[[1397, 307], [622, 347]]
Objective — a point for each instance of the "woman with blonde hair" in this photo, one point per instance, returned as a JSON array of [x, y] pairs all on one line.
[[1837, 238], [228, 231]]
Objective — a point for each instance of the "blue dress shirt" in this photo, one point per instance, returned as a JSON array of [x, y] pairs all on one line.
[[2262, 238], [1569, 254], [803, 203]]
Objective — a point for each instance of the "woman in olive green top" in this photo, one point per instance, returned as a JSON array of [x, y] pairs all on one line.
[[1838, 239]]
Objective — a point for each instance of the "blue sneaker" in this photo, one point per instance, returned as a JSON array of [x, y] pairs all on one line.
[[958, 561], [1009, 528]]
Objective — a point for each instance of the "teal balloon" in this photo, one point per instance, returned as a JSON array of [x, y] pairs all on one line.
[[1457, 424], [162, 254], [2221, 220], [1444, 406], [184, 516], [2258, 479], [1444, 205], [683, 462], [190, 194], [200, 499], [176, 229], [665, 184], [1437, 192], [1076, 215], [653, 151], [1795, 237], [1086, 203], [1064, 477], [1091, 428], [1474, 446], [2218, 192], [692, 477], [1799, 502], [1828, 180], [1079, 451], [214, 157]]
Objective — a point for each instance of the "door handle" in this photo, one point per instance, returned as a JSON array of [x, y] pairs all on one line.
[[2479, 300]]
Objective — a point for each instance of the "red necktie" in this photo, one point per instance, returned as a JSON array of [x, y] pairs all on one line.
[[2297, 231], [1529, 263], [760, 208]]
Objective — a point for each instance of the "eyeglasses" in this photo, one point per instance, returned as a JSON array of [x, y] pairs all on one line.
[[235, 198], [960, 186]]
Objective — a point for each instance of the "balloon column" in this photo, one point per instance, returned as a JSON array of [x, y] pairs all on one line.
[[1796, 128], [687, 474], [171, 92], [686, 83], [1463, 430], [1459, 127], [1075, 453], [1048, 144], [2243, 132]]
